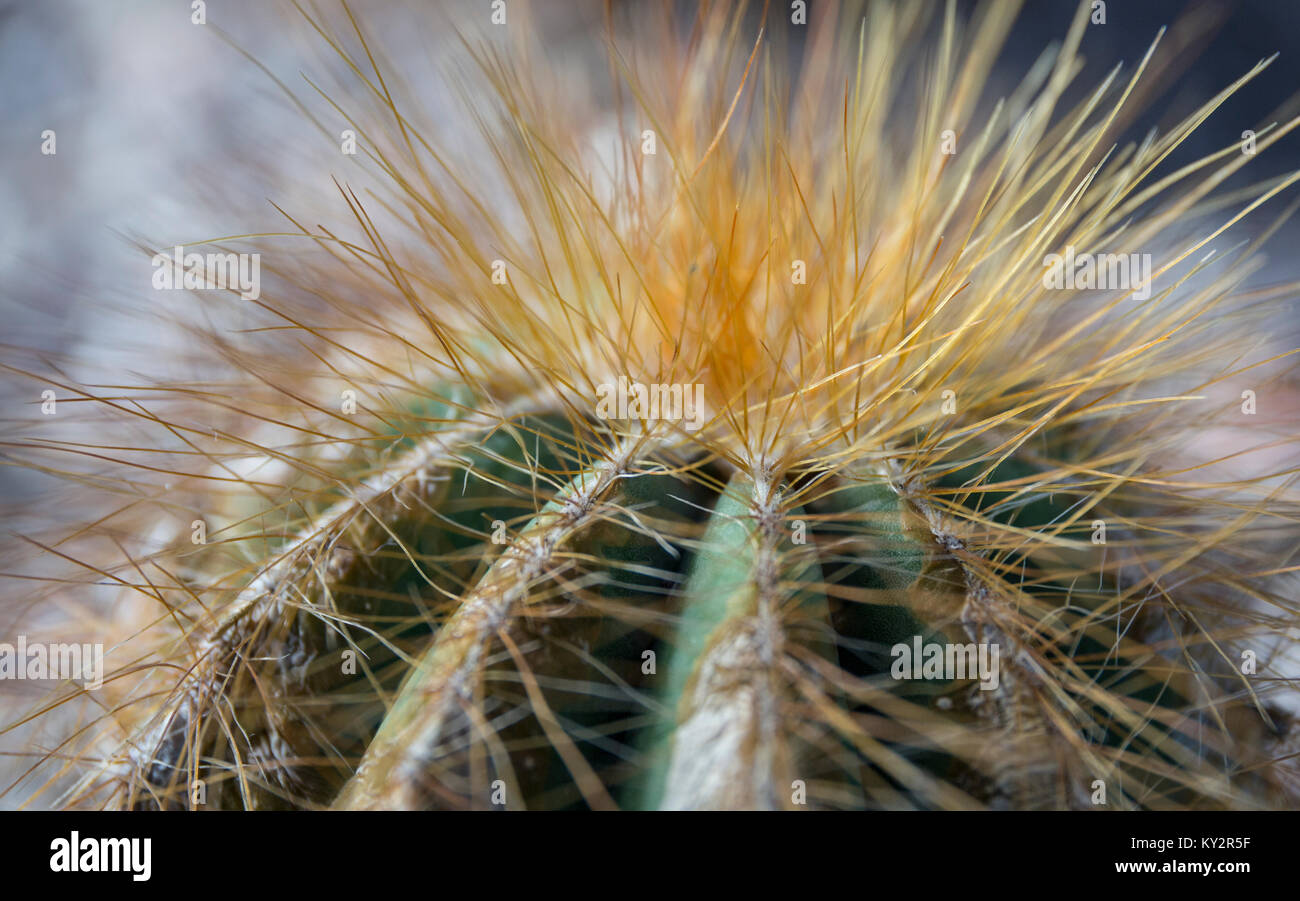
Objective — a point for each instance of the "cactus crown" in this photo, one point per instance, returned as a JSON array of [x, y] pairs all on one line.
[[718, 442]]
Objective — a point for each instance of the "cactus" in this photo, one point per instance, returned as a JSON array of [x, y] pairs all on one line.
[[716, 440]]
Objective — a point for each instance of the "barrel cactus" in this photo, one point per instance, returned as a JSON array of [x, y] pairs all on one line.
[[702, 425]]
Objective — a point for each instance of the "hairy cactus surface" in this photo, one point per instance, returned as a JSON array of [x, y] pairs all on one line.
[[753, 414]]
